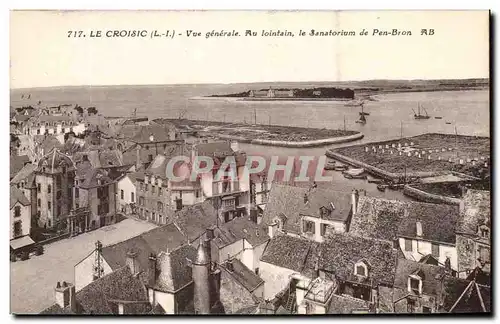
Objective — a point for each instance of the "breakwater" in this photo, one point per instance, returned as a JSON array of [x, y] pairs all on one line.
[[428, 197], [296, 144]]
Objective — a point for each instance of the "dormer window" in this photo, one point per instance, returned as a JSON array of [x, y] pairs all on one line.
[[484, 231], [415, 284], [361, 269]]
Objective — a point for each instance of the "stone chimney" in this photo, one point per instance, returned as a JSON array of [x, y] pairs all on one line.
[[354, 201], [419, 228], [65, 295], [272, 228], [447, 265], [229, 265], [201, 273], [133, 262]]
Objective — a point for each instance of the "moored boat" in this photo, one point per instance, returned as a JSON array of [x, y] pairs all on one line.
[[382, 187], [355, 174], [340, 167], [330, 165]]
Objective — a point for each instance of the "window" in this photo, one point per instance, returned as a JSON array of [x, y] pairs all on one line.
[[426, 310], [435, 250], [39, 202], [153, 217], [49, 223], [58, 195], [49, 189], [159, 191], [257, 271], [122, 194], [414, 284], [324, 228], [308, 227], [408, 245], [485, 233], [360, 270], [38, 187], [132, 197], [141, 186], [141, 201], [146, 187], [159, 206], [17, 211], [18, 229], [153, 189], [77, 193], [410, 306], [49, 205], [197, 193]]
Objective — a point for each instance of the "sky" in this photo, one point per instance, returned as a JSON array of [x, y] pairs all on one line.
[[42, 54]]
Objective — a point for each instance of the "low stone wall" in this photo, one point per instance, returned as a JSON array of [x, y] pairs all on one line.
[[377, 171], [53, 239], [320, 142], [428, 197]]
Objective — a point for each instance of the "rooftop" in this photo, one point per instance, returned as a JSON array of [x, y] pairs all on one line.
[[238, 229], [16, 196], [287, 252], [242, 275], [476, 211]]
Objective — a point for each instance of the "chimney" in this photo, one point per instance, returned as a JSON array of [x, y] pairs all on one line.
[[354, 201], [138, 156], [152, 270], [419, 228], [133, 262], [65, 295], [229, 265], [447, 265], [272, 228], [254, 214], [306, 199], [200, 273], [208, 250]]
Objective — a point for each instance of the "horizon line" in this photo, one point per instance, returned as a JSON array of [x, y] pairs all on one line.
[[234, 83]]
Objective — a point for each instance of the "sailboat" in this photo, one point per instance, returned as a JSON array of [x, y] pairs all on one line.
[[362, 118], [419, 115]]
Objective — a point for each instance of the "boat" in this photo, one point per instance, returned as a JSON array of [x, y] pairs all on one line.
[[377, 181], [448, 123], [355, 174], [419, 115], [340, 167], [362, 118], [438, 117], [364, 113], [382, 186], [330, 165]]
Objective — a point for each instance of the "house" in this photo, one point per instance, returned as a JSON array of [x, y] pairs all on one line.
[[51, 124], [421, 229], [229, 194], [287, 261], [423, 288], [312, 213], [25, 181], [127, 193], [96, 193], [473, 233], [240, 286], [260, 186], [177, 277], [429, 229], [361, 268], [239, 239], [54, 178], [20, 221], [193, 221], [117, 293], [417, 287], [104, 260]]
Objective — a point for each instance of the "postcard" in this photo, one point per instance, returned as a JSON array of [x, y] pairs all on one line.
[[250, 162]]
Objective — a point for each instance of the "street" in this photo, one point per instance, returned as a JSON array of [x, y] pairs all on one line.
[[33, 281]]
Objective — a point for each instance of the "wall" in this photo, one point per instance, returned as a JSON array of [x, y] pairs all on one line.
[[166, 300], [84, 270], [428, 197], [333, 226], [275, 278], [233, 250], [128, 187], [44, 197], [422, 248], [257, 254], [466, 248], [151, 201], [25, 219]]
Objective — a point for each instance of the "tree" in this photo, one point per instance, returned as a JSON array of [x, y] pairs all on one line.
[[79, 109], [92, 111]]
